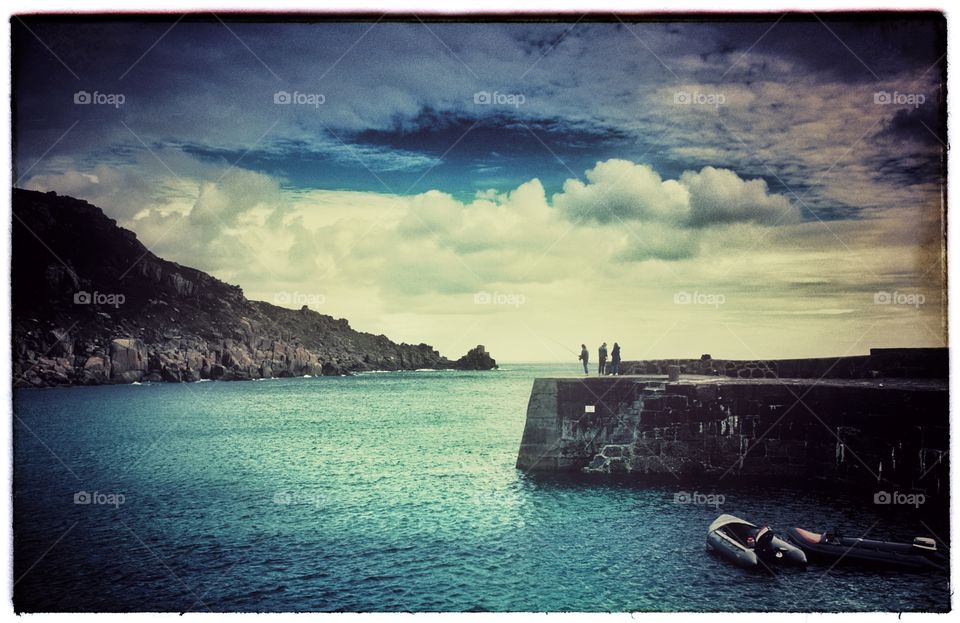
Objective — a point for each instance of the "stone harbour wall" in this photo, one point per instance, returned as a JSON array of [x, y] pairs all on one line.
[[881, 362], [893, 432]]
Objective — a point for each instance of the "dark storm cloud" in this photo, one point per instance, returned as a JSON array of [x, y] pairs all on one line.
[[399, 99], [855, 49], [923, 124]]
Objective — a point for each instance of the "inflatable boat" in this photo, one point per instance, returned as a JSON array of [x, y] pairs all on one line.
[[832, 548], [750, 546]]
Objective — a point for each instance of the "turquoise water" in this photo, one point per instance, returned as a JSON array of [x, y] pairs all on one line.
[[393, 491]]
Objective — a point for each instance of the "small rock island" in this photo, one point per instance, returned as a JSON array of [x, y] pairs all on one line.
[[476, 359]]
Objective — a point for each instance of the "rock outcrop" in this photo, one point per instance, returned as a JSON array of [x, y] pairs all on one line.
[[476, 359], [93, 305]]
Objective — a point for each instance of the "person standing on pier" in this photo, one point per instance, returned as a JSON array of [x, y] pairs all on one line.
[[585, 358], [603, 358], [615, 360]]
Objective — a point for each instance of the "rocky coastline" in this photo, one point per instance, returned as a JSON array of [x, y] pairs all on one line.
[[92, 305]]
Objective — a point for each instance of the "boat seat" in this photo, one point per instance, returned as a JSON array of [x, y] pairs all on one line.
[[812, 537]]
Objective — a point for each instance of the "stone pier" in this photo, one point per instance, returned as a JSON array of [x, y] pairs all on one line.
[[850, 432]]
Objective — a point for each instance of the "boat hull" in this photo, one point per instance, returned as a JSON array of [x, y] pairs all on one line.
[[865, 552], [742, 558]]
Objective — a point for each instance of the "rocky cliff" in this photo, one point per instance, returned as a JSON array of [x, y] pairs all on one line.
[[93, 305]]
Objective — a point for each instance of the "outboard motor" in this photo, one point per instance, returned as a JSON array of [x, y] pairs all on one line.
[[777, 550], [765, 543], [925, 544]]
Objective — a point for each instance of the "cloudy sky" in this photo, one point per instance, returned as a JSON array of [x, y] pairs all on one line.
[[762, 188]]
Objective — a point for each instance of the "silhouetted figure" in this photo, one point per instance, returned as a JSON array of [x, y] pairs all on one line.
[[615, 360], [585, 358], [603, 357]]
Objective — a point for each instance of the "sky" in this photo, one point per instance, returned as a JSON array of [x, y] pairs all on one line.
[[749, 188]]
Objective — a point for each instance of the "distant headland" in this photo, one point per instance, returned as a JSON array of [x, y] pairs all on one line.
[[92, 305]]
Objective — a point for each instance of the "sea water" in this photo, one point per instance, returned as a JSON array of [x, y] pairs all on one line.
[[384, 492]]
